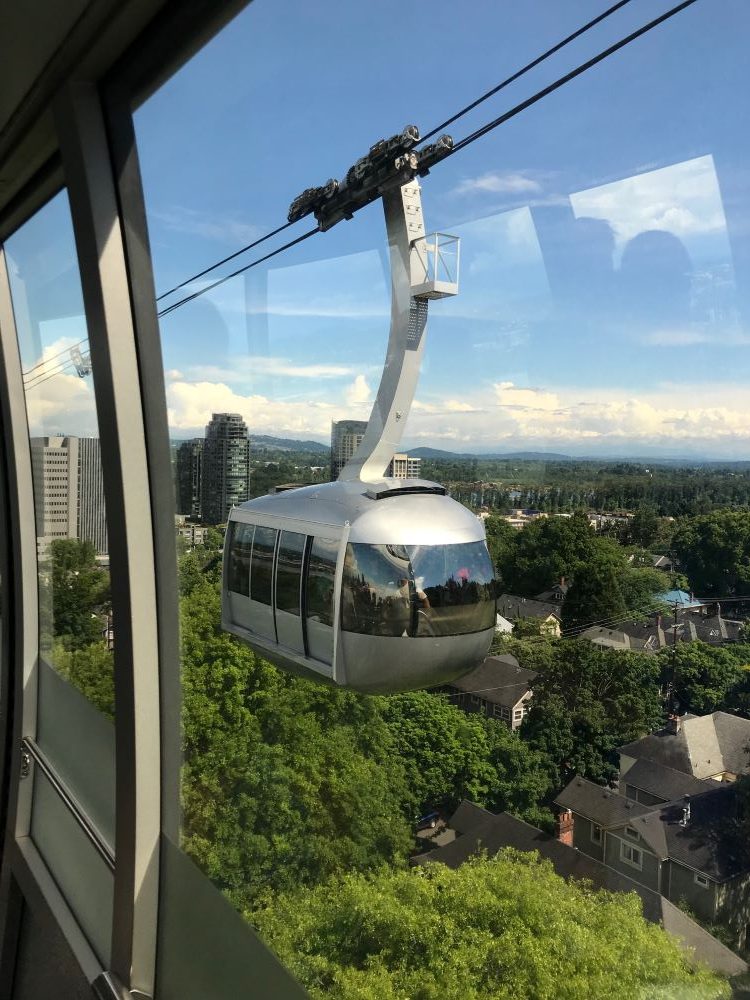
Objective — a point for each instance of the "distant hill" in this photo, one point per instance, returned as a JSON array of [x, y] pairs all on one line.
[[287, 444], [533, 456]]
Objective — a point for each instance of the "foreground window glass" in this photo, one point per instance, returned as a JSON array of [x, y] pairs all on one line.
[[75, 711], [593, 358]]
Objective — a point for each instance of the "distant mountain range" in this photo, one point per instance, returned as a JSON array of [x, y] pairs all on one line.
[[534, 456], [288, 444]]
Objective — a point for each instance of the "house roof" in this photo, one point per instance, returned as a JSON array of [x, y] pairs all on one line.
[[511, 606], [662, 562], [612, 638], [705, 745], [604, 807], [482, 830], [499, 679], [679, 597], [556, 593], [664, 782]]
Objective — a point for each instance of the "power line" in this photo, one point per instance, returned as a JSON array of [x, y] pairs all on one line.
[[467, 140], [35, 385], [46, 361], [250, 246], [525, 69], [55, 370], [552, 87], [220, 281]]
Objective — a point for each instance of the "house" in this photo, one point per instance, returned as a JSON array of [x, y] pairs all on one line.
[[477, 829], [690, 625], [502, 625], [663, 563], [547, 613], [689, 850], [499, 688], [556, 594], [613, 639]]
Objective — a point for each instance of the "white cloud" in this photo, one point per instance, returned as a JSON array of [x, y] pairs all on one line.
[[248, 366], [498, 183], [510, 395], [357, 392], [180, 219], [687, 338]]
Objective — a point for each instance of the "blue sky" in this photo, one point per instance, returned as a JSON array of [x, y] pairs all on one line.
[[605, 285]]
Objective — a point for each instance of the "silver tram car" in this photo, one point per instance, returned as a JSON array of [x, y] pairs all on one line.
[[380, 587]]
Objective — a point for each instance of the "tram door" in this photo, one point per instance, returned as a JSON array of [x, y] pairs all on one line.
[[289, 564]]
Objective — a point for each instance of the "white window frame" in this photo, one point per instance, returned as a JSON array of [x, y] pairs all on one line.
[[628, 853], [702, 880], [631, 832]]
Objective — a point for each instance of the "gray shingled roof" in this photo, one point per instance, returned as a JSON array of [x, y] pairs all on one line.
[[510, 606], [710, 842], [613, 638], [664, 782], [485, 831], [499, 680], [601, 805], [705, 745]]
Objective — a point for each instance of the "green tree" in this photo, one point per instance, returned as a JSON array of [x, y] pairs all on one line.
[[91, 670], [595, 596], [504, 927], [544, 551], [705, 677], [79, 592], [644, 526], [587, 703], [714, 550]]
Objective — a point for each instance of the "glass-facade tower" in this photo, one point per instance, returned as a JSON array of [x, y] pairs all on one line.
[[226, 467]]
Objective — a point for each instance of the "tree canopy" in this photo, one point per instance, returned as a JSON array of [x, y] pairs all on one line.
[[503, 928], [714, 550]]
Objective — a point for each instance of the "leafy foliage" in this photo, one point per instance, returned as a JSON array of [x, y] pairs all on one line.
[[506, 927], [78, 590], [715, 552]]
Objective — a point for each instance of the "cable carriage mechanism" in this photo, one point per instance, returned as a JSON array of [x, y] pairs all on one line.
[[376, 584]]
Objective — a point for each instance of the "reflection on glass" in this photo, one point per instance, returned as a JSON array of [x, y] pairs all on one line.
[[75, 616], [321, 580], [418, 590]]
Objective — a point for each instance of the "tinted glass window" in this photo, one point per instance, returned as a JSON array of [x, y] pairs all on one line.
[[289, 571], [321, 577], [240, 548], [420, 590], [262, 565]]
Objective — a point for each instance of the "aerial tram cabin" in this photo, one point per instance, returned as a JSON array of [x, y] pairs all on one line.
[[376, 584], [378, 587]]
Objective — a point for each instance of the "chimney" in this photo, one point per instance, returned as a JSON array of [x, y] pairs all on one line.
[[564, 827], [562, 581], [674, 724], [685, 812], [658, 622]]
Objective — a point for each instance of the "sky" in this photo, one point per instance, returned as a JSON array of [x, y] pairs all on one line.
[[604, 301]]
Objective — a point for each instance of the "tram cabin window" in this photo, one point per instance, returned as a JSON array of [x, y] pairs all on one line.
[[261, 567], [321, 580], [418, 590], [289, 571], [240, 547]]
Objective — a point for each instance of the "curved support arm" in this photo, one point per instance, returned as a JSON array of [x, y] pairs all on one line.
[[404, 224]]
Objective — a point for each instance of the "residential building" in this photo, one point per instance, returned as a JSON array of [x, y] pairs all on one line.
[[475, 829], [225, 479], [657, 632], [547, 613], [69, 494], [194, 534], [403, 466], [346, 436], [689, 849], [499, 688], [188, 477], [556, 594]]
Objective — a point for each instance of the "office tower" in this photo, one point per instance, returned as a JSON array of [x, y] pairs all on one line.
[[345, 438], [188, 476], [54, 462], [69, 491], [225, 480], [92, 513]]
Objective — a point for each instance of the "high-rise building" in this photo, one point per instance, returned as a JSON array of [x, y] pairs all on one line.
[[346, 436], [188, 477], [225, 480], [92, 512], [69, 490]]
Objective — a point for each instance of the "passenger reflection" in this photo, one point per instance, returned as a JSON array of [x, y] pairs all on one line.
[[655, 279]]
